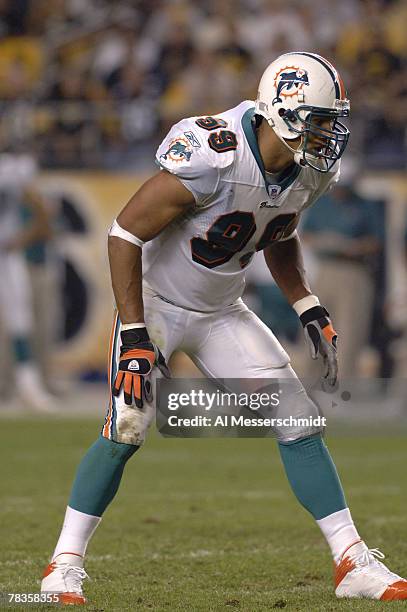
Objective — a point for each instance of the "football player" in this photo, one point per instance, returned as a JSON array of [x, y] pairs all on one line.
[[17, 188], [229, 185]]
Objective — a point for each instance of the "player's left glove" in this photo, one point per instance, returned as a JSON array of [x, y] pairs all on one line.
[[322, 339], [138, 356]]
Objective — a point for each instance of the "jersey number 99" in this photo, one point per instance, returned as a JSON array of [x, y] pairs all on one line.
[[230, 233], [222, 141]]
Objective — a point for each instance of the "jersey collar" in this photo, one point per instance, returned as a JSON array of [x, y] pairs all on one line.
[[287, 177]]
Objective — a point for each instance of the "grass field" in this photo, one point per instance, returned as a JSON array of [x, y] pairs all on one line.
[[198, 525]]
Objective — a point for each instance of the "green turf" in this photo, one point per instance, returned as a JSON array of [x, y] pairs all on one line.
[[198, 525]]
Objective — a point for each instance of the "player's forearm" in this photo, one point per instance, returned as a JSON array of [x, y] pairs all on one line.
[[285, 262], [126, 275]]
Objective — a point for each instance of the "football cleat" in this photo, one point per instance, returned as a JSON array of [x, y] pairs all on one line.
[[31, 390], [359, 573], [64, 577]]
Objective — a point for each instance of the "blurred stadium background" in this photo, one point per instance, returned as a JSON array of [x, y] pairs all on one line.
[[88, 89]]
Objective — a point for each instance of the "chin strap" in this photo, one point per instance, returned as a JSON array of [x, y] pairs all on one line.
[[316, 161], [298, 158]]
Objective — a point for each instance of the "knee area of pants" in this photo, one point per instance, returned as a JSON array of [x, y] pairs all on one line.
[[131, 424]]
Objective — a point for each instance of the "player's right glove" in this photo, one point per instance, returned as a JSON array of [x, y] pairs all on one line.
[[138, 356], [322, 339]]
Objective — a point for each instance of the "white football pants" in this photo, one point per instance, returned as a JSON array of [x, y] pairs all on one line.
[[229, 343], [15, 295]]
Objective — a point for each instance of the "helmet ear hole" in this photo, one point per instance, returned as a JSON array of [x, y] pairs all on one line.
[[288, 114]]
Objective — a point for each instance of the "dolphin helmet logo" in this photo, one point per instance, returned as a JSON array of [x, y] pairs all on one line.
[[178, 150], [289, 81]]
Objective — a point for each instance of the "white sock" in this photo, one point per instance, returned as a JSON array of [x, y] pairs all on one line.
[[77, 530], [339, 531]]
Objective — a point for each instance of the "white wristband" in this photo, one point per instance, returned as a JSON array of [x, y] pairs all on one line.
[[117, 230], [126, 326], [305, 303], [293, 234]]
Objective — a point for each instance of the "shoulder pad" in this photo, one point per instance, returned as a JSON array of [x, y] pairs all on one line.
[[182, 151], [185, 153]]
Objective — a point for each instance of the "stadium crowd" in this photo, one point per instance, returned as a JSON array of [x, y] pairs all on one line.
[[97, 83]]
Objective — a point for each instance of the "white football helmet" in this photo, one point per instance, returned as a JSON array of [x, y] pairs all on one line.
[[299, 94]]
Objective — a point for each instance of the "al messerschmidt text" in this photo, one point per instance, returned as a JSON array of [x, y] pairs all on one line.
[[241, 421]]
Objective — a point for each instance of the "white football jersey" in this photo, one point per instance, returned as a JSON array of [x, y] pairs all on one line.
[[199, 260]]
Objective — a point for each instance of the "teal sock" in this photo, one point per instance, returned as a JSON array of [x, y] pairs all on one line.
[[99, 475], [22, 349], [313, 476]]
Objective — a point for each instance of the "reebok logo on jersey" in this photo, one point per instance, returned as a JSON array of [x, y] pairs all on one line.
[[133, 365], [193, 139]]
